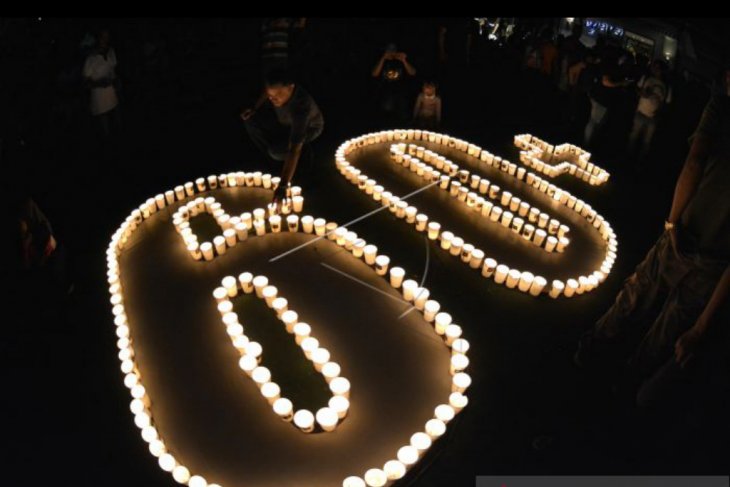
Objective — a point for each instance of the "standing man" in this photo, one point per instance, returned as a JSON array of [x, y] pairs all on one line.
[[284, 119]]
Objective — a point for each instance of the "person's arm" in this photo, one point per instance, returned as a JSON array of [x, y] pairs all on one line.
[[379, 67], [609, 83], [686, 345], [691, 174]]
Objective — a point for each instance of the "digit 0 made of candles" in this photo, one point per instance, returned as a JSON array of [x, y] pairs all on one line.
[[496, 205], [192, 199]]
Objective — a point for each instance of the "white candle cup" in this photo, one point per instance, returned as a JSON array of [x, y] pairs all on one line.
[[246, 281], [513, 278], [396, 276], [180, 193], [459, 362], [381, 264], [506, 197], [298, 204], [477, 256], [538, 284], [230, 236], [370, 251], [330, 230], [420, 297], [421, 222], [340, 387], [269, 294], [259, 227], [489, 267], [358, 248], [551, 243], [207, 249], [241, 230], [409, 288], [279, 305], [194, 250], [320, 357], [292, 222], [301, 332], [526, 280], [562, 243], [327, 419], [453, 333], [220, 245], [563, 231], [507, 219], [170, 197], [456, 245], [500, 274], [307, 222], [290, 319], [466, 251], [496, 214], [571, 286], [410, 213], [275, 223], [460, 383], [582, 285], [539, 237], [446, 238], [442, 321], [320, 226], [259, 283], [433, 230], [284, 409], [340, 235], [189, 189], [430, 308], [304, 420], [230, 285]]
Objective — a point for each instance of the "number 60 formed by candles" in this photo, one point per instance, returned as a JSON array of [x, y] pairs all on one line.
[[490, 201], [234, 231]]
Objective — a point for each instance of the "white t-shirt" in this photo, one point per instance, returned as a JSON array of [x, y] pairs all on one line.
[[97, 68]]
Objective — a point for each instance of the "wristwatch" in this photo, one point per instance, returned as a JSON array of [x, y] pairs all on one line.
[[668, 225]]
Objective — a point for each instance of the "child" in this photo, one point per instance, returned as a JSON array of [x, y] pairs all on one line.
[[427, 112]]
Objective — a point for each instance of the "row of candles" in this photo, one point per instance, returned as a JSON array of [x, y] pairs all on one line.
[[327, 418], [541, 156], [513, 213], [524, 281], [234, 229], [338, 405]]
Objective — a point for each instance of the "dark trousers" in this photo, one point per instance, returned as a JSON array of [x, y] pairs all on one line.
[[658, 303]]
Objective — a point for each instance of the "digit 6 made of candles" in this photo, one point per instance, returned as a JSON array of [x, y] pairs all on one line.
[[535, 236], [188, 304]]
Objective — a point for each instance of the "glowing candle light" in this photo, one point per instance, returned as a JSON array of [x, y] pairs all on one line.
[[435, 428], [284, 409], [375, 478], [446, 238], [420, 297], [304, 420], [538, 284], [460, 382], [409, 289], [370, 251], [442, 321], [540, 236], [433, 230], [220, 244], [501, 273], [571, 286], [396, 276], [430, 309], [320, 357], [269, 294], [551, 243], [327, 419], [353, 481], [340, 405], [207, 249], [489, 267], [290, 319], [526, 280], [340, 387], [394, 469]]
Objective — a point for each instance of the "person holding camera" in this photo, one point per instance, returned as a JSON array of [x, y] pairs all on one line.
[[392, 72]]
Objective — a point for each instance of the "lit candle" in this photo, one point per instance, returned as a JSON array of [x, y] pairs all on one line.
[[501, 273], [230, 237], [513, 277], [540, 235], [458, 401], [446, 238], [246, 280], [420, 297], [433, 230], [340, 405], [430, 308], [396, 276], [229, 283], [526, 280], [271, 392], [551, 243], [207, 249], [353, 481], [304, 420], [394, 469], [330, 370], [307, 224], [290, 319], [453, 332], [259, 283], [298, 203], [435, 428], [459, 362], [375, 478], [340, 387], [370, 251], [180, 193], [460, 382], [556, 289], [330, 230], [562, 243], [409, 289], [456, 244], [320, 357], [269, 294], [476, 258], [442, 321], [327, 419], [301, 332], [495, 214], [283, 408], [571, 286], [292, 222], [489, 267], [320, 226], [507, 219], [275, 223]]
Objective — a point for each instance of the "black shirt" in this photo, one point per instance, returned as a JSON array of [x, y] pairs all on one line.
[[302, 114]]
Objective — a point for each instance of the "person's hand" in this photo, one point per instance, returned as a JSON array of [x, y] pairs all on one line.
[[50, 246], [687, 345], [247, 113], [400, 56], [279, 196]]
